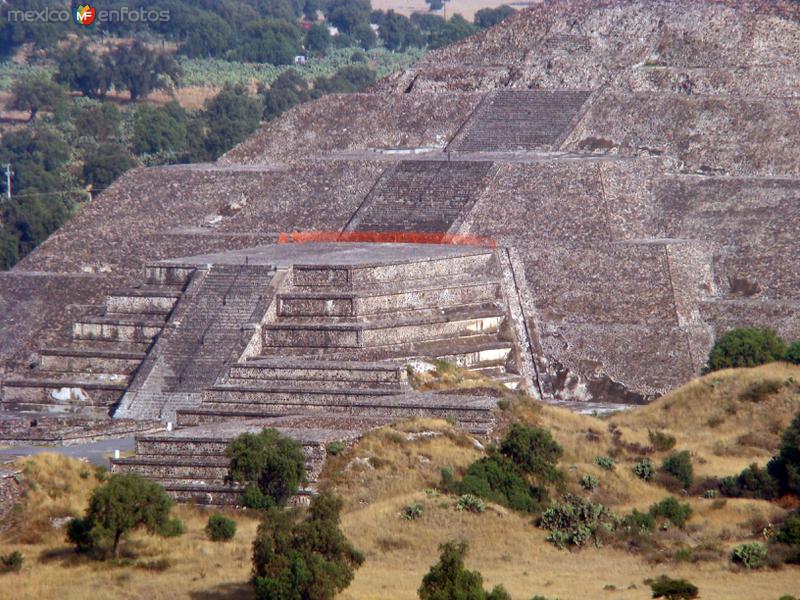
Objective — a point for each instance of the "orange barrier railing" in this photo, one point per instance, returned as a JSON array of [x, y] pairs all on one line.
[[394, 237]]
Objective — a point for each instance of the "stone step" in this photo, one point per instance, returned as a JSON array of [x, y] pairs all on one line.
[[477, 261], [208, 469], [268, 393], [73, 360], [62, 390], [287, 372], [220, 495], [113, 328], [447, 325], [144, 300], [394, 299], [169, 275]]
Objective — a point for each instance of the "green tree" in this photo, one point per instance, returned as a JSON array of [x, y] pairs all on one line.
[[534, 451], [220, 528], [33, 93], [15, 33], [435, 4], [672, 589], [785, 468], [141, 70], [449, 579], [160, 130], [270, 41], [230, 117], [100, 121], [793, 353], [80, 70], [746, 347], [346, 15], [103, 164], [453, 30], [207, 35], [308, 558], [398, 33], [9, 248], [489, 17], [318, 39], [364, 36], [124, 502], [346, 80], [271, 466], [288, 90]]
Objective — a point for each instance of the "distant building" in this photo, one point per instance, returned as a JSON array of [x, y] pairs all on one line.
[[333, 30], [300, 59]]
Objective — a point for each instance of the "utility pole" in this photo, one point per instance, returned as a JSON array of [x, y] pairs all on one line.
[[9, 173]]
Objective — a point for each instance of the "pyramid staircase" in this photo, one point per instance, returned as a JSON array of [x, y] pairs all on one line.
[[331, 365]]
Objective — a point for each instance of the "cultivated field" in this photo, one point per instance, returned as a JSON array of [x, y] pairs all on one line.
[[465, 8]]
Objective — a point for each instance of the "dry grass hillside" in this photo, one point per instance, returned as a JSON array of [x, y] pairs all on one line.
[[726, 420]]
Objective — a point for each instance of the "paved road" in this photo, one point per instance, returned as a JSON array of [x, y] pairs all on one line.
[[95, 452]]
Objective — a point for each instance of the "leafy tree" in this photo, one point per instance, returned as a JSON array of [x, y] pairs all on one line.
[[427, 22], [679, 465], [398, 33], [100, 121], [33, 93], [489, 17], [140, 70], [14, 33], [534, 451], [160, 130], [346, 80], [364, 36], [453, 30], [269, 40], [673, 511], [449, 579], [9, 249], [106, 162], [208, 35], [80, 70], [347, 14], [785, 468], [790, 531], [230, 117], [435, 4], [271, 465], [318, 39], [497, 479], [746, 347], [124, 502], [793, 353], [310, 9], [288, 90], [220, 528], [672, 589], [303, 559], [752, 482]]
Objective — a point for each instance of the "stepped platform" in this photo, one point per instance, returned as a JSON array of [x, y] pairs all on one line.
[[347, 373], [48, 429]]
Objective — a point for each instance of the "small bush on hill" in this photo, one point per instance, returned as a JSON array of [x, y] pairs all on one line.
[[752, 482], [271, 466], [173, 528], [604, 462], [335, 448], [639, 522], [785, 468], [124, 502], [470, 503], [671, 510], [576, 521], [672, 589], [746, 347], [789, 533], [662, 442], [220, 528], [12, 562], [308, 558], [449, 579], [534, 451], [589, 482], [793, 353], [679, 465], [411, 512], [749, 555], [644, 469]]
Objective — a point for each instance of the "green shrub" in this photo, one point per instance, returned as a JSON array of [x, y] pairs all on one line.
[[746, 347], [220, 528], [790, 531], [173, 528], [497, 479], [672, 589], [576, 521], [679, 465], [639, 522], [303, 554], [787, 597], [589, 481], [750, 555], [534, 451], [752, 482], [449, 579], [644, 469], [411, 512], [448, 482], [662, 442], [604, 462], [470, 503], [271, 465], [760, 390], [793, 353], [785, 468], [673, 511], [124, 502], [12, 562], [335, 448]]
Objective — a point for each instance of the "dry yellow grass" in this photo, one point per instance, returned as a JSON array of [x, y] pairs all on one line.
[[393, 467]]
